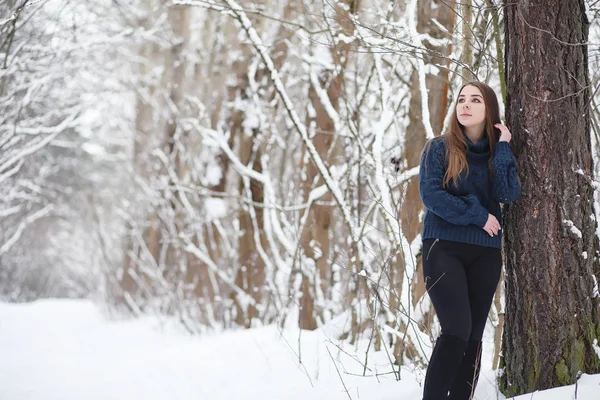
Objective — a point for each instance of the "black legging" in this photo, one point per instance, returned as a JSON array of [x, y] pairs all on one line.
[[461, 280]]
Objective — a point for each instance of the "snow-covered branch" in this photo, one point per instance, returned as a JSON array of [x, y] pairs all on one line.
[[300, 128]]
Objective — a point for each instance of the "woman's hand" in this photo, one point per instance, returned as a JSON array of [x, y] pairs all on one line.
[[505, 134], [492, 226]]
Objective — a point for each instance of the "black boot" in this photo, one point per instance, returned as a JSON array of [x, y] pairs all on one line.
[[465, 382], [445, 360]]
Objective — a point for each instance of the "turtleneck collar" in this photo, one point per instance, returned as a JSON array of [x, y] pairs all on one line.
[[482, 147]]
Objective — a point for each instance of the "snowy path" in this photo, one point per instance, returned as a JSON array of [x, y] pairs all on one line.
[[66, 350]]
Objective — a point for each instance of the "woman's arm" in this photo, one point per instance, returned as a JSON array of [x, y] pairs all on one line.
[[458, 210], [505, 185]]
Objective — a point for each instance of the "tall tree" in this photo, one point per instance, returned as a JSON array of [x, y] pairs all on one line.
[[254, 270], [435, 19], [553, 312], [157, 134], [325, 93]]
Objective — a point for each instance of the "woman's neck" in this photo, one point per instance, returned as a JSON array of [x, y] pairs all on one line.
[[475, 133]]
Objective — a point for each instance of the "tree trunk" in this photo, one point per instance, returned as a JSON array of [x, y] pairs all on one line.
[[315, 239], [131, 280], [151, 133], [437, 88], [433, 15], [552, 316], [253, 272], [250, 273], [466, 56], [218, 32]]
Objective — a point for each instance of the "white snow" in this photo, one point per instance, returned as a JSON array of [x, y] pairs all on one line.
[[596, 348], [215, 208], [574, 229], [68, 349]]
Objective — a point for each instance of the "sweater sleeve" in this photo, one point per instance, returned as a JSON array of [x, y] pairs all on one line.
[[458, 210], [505, 185]]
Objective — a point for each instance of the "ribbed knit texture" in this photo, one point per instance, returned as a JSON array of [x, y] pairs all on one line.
[[459, 212]]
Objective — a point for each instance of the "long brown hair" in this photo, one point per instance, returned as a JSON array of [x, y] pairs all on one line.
[[456, 150]]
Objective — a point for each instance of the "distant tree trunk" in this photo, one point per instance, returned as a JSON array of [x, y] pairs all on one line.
[[159, 247], [218, 33], [253, 272], [552, 315], [466, 56], [250, 265], [177, 270], [315, 239], [234, 73], [131, 280], [437, 87]]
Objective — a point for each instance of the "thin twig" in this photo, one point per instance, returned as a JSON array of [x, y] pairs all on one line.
[[339, 374]]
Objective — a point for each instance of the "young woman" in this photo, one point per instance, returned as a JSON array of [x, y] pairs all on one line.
[[465, 175]]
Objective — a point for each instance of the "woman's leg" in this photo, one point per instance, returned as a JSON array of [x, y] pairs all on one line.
[[467, 375], [446, 284], [441, 371], [482, 279]]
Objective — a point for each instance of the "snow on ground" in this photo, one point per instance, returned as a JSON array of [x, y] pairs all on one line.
[[68, 350]]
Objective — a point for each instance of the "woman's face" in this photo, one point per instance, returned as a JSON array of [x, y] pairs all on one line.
[[470, 108]]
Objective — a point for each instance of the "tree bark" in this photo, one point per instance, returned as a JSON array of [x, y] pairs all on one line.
[[552, 315], [437, 86], [315, 239], [466, 56], [253, 272], [131, 280], [162, 251]]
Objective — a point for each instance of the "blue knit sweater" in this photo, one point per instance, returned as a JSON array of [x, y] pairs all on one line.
[[459, 212]]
